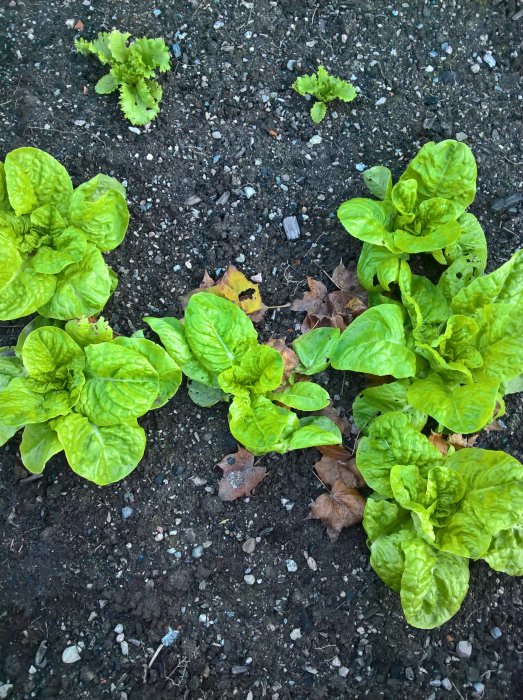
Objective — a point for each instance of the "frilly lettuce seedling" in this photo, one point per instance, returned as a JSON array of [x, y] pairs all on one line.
[[430, 513], [133, 68], [423, 212], [52, 235], [74, 387], [325, 88], [217, 349]]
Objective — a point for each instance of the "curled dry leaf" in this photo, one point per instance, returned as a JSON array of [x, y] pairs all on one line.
[[340, 508], [459, 441], [494, 426], [337, 463], [439, 442], [290, 359], [235, 287], [240, 476], [332, 309]]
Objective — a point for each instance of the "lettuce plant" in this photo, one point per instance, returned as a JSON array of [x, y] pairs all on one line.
[[52, 236], [455, 352], [74, 387], [425, 211], [217, 348], [325, 88], [132, 71], [430, 513]]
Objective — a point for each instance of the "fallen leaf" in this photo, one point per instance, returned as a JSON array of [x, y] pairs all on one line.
[[79, 25], [494, 426], [240, 476], [439, 442], [338, 463], [340, 508], [234, 287], [459, 442], [290, 359], [332, 309]]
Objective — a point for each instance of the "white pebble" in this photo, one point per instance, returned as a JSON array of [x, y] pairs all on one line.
[[70, 655], [295, 634], [291, 565], [118, 629], [249, 579], [124, 647]]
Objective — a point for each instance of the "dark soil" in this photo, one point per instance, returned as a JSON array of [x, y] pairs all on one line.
[[72, 568]]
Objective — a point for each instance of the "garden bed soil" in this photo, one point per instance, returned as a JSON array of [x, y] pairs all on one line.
[[72, 567]]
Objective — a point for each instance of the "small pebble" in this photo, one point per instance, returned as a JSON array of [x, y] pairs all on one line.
[[218, 24], [479, 688], [343, 671], [79, 122], [336, 662], [249, 192], [124, 647], [120, 637], [464, 649], [315, 140], [295, 634], [461, 136], [291, 565], [489, 60], [381, 101], [495, 633], [447, 683], [118, 629], [249, 545], [216, 134], [70, 655], [361, 167], [237, 670], [290, 64], [409, 673], [170, 637], [157, 12], [249, 579], [291, 228], [127, 512], [475, 67], [134, 129], [197, 551], [177, 50]]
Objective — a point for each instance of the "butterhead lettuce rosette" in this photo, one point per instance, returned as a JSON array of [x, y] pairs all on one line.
[[52, 236], [76, 388]]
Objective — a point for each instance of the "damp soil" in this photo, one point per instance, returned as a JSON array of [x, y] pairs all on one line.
[[72, 567]]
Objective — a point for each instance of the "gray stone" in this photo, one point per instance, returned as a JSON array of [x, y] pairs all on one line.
[[70, 654], [249, 545], [291, 228], [464, 649]]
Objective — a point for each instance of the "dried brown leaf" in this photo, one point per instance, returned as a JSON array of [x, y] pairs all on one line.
[[337, 463], [493, 427], [290, 359], [312, 301], [346, 279], [340, 508], [335, 415], [439, 442], [460, 442], [240, 476]]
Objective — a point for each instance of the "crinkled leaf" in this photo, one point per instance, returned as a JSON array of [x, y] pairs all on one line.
[[303, 396], [204, 395], [260, 370], [445, 169], [380, 399], [318, 112], [458, 275], [500, 341], [101, 454], [107, 84], [26, 292], [378, 267], [139, 102], [47, 349], [314, 431], [20, 404], [340, 508], [393, 440], [66, 247], [117, 42], [375, 343], [260, 425], [384, 517], [506, 552], [35, 178], [460, 407], [7, 432], [433, 584], [120, 384], [387, 557], [10, 262], [4, 197], [85, 332], [82, 289], [471, 242], [99, 209], [404, 195], [10, 366], [154, 53]]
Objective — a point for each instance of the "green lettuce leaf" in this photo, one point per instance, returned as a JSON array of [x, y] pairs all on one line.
[[204, 395], [120, 385], [500, 341], [260, 370], [367, 220], [314, 349], [378, 267], [314, 431], [85, 332], [104, 454], [380, 399], [261, 426], [47, 349], [506, 552], [26, 291], [35, 178], [21, 404], [39, 443], [446, 169], [374, 343], [218, 332], [304, 396]]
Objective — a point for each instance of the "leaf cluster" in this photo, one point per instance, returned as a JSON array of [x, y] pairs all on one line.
[[430, 513], [75, 387], [325, 88], [52, 235], [216, 347], [132, 72]]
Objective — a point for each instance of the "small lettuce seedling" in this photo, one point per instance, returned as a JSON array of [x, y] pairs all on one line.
[[133, 69], [430, 513], [325, 88], [52, 235], [424, 212], [73, 387], [217, 349]]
